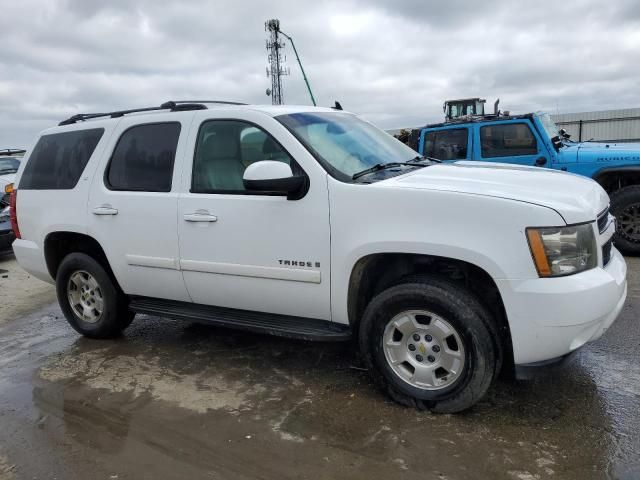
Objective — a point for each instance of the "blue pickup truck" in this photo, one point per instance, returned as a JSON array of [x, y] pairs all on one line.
[[534, 140]]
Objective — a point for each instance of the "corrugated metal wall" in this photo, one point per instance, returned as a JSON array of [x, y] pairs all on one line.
[[607, 125]]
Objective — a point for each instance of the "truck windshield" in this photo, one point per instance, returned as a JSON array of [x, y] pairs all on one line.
[[9, 165], [549, 126], [344, 143]]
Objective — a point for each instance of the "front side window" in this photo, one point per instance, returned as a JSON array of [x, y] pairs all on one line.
[[143, 158], [507, 140], [225, 148], [447, 144], [58, 160], [344, 143]]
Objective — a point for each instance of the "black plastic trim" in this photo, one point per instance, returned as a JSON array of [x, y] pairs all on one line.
[[621, 169], [259, 322]]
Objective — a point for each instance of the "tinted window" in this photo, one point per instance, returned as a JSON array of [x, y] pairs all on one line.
[[225, 148], [143, 158], [58, 160], [507, 140], [447, 144]]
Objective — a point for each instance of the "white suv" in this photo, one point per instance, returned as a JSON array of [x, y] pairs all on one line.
[[312, 223]]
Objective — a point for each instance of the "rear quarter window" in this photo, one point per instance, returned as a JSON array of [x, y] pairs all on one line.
[[143, 158], [58, 160]]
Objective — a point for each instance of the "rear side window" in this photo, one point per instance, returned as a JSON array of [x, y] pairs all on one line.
[[58, 160], [143, 158], [511, 139], [447, 144]]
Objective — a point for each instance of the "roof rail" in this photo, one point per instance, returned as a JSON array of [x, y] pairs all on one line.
[[5, 152], [173, 106], [222, 102]]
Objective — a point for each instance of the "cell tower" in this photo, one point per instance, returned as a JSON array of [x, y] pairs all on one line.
[[276, 69]]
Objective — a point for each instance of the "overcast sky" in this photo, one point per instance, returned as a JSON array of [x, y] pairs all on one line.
[[393, 61]]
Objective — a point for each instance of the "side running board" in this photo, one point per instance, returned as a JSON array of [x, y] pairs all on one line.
[[269, 323]]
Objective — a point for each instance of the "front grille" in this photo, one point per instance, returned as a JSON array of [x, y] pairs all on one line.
[[606, 252], [603, 220]]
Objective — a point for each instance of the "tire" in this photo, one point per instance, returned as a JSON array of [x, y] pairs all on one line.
[[430, 304], [84, 286], [625, 206]]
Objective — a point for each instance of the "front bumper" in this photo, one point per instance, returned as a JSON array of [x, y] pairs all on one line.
[[551, 317]]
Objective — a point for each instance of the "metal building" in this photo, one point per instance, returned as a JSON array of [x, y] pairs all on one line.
[[606, 125]]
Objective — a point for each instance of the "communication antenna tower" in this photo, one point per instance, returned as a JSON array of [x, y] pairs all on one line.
[[276, 69]]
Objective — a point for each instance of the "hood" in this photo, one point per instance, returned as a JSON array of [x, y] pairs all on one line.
[[574, 197], [6, 179], [619, 152]]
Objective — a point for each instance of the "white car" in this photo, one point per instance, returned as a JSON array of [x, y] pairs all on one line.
[[312, 223]]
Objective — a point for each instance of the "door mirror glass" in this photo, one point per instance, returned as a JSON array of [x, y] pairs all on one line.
[[272, 176]]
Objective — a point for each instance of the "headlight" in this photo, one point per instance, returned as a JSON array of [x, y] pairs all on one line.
[[561, 251]]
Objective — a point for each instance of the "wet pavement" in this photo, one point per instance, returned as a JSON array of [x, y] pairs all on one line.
[[178, 400]]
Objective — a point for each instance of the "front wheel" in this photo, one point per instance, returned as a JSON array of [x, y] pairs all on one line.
[[428, 345], [89, 299], [625, 206]]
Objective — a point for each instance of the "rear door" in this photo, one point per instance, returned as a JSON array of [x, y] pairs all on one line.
[[133, 204], [446, 144], [512, 141]]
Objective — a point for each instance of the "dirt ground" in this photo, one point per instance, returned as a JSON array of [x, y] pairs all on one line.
[[180, 400]]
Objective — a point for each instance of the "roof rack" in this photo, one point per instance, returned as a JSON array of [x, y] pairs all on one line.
[[174, 106], [222, 102], [6, 152]]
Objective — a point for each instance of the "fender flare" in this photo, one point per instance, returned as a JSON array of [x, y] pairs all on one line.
[[599, 174]]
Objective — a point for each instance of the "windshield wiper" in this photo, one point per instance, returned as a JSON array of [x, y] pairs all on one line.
[[420, 158], [383, 166], [375, 168]]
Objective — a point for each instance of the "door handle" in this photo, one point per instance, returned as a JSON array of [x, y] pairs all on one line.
[[200, 216], [105, 210]]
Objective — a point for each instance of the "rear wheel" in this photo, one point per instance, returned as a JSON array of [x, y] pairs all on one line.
[[625, 206], [427, 344], [89, 299]]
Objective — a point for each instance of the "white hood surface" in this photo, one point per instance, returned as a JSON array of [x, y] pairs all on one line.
[[575, 198]]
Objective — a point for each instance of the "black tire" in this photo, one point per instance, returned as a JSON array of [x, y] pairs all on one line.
[[623, 202], [463, 312], [114, 316]]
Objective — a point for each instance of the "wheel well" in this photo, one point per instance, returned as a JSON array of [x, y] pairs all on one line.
[[617, 179], [58, 245], [375, 273]]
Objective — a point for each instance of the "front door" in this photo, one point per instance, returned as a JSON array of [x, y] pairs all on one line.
[[133, 205], [246, 250]]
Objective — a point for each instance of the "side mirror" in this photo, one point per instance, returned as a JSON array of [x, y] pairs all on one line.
[[274, 177], [540, 162]]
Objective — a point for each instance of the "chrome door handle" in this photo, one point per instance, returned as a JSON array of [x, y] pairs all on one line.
[[105, 210], [200, 216]]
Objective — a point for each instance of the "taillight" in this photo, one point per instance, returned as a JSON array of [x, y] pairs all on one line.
[[13, 212]]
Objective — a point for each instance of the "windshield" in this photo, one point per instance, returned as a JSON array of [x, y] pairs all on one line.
[[344, 143], [9, 165], [549, 126]]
